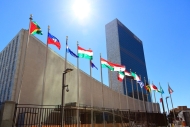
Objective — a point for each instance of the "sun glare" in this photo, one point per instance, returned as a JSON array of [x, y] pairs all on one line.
[[81, 9]]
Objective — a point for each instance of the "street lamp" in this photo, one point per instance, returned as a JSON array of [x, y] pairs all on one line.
[[167, 103], [63, 94]]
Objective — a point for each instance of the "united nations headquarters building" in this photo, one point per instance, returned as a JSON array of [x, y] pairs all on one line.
[[33, 78]]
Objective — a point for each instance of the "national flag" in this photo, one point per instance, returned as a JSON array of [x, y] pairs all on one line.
[[153, 87], [127, 73], [161, 100], [161, 90], [53, 40], [170, 90], [92, 65], [35, 28], [147, 87], [120, 76], [83, 53], [140, 83], [135, 76], [111, 66], [71, 52]]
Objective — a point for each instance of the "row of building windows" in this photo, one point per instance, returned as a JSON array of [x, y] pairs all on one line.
[[8, 57]]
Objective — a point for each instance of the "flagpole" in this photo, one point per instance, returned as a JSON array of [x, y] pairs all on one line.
[[23, 69], [119, 96], [151, 98], [111, 79], [66, 53], [155, 98], [133, 92], [119, 88], [91, 94], [138, 93], [126, 92], [155, 101], [162, 101], [146, 90], [172, 103], [142, 94], [45, 67], [102, 91], [77, 88]]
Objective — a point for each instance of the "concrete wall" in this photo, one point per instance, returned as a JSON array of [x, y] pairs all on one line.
[[7, 114], [33, 91]]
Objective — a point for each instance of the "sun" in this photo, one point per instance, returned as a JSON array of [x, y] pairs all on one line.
[[81, 9]]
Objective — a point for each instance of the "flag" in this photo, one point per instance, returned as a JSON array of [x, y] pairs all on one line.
[[83, 53], [53, 40], [135, 76], [120, 76], [161, 100], [147, 87], [35, 28], [127, 73], [170, 90], [111, 66], [71, 52], [92, 65], [161, 90], [153, 87], [140, 83]]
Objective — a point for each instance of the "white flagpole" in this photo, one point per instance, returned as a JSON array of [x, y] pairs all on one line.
[[146, 90], [172, 104], [23, 69], [102, 91], [66, 53], [77, 87], [91, 95], [151, 98], [162, 102], [146, 93], [119, 90], [155, 98], [133, 92], [138, 93], [126, 92], [45, 66], [142, 94]]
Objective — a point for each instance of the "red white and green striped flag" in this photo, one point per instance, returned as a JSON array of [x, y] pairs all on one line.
[[135, 76], [127, 73], [112, 66], [120, 76], [35, 28], [83, 53]]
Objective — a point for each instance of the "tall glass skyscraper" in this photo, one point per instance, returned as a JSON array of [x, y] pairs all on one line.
[[125, 48]]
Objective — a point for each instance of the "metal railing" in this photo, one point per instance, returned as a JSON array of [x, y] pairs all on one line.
[[50, 115]]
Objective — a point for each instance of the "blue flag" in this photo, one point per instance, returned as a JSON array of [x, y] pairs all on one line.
[[71, 52], [140, 83], [92, 65]]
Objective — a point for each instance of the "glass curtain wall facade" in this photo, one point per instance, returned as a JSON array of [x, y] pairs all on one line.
[[8, 60], [123, 47]]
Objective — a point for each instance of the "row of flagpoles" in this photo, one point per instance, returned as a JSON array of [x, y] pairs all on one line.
[[88, 54]]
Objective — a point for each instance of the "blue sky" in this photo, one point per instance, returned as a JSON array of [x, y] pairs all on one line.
[[163, 26]]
